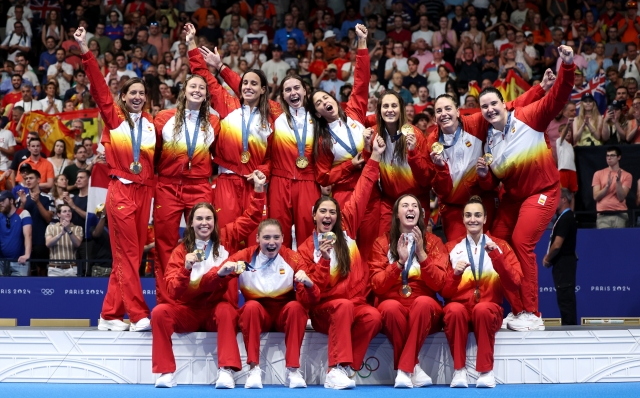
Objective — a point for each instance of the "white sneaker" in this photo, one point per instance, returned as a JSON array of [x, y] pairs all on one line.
[[508, 319], [338, 379], [165, 381], [254, 379], [419, 378], [116, 325], [460, 379], [142, 325], [403, 380], [295, 379], [486, 380], [525, 322], [225, 379]]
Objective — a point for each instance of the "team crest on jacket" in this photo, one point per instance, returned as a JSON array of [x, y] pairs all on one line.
[[542, 200], [468, 143], [281, 270]]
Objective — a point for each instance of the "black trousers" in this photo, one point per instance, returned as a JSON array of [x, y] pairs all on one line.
[[564, 278]]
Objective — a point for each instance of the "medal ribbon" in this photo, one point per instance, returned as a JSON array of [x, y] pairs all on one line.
[[301, 143], [456, 136], [407, 266], [245, 128], [136, 144], [191, 145], [352, 149], [252, 266], [490, 132], [481, 262], [207, 249]]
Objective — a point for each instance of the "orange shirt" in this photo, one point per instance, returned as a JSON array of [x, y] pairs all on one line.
[[610, 202], [43, 166], [631, 34], [201, 15], [269, 12]]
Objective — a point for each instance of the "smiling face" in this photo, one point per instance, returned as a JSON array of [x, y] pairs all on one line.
[[293, 92], [474, 218], [196, 90], [134, 98], [493, 109], [408, 212], [325, 216], [270, 240], [251, 88], [203, 223], [390, 108], [447, 114], [325, 106]]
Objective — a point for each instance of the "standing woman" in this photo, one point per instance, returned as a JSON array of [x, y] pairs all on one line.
[[184, 165], [343, 312], [201, 291], [523, 162], [277, 291], [59, 158], [408, 266], [129, 139], [244, 129], [480, 265], [339, 144]]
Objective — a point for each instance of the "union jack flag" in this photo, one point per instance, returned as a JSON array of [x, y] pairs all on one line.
[[597, 89], [41, 8]]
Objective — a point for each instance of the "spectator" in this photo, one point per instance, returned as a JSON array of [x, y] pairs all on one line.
[[614, 48], [622, 96], [22, 154], [633, 137], [99, 36], [40, 207], [79, 91], [610, 188], [18, 17], [211, 31], [292, 56], [48, 57], [400, 35], [563, 120], [275, 68], [14, 95], [121, 60], [423, 99], [439, 88], [628, 65], [374, 34], [445, 38], [114, 30], [598, 62], [468, 69], [7, 150], [519, 16], [28, 13], [255, 57], [72, 51], [72, 170], [375, 88], [253, 34], [138, 63], [551, 51], [396, 85], [234, 54], [78, 204], [525, 54], [396, 64], [489, 65], [615, 81], [61, 71], [632, 90], [561, 255], [51, 104], [627, 25], [587, 127], [431, 69], [15, 237], [27, 102], [235, 10], [92, 158], [319, 63], [20, 187], [129, 39], [77, 126], [289, 30], [398, 11], [238, 32], [615, 125], [149, 51], [63, 240], [423, 55], [58, 160], [22, 64], [423, 33], [566, 161], [38, 163], [413, 77], [101, 248], [332, 85], [511, 64], [199, 17], [17, 41]]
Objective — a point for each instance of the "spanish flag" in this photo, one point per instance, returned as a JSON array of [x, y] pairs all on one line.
[[50, 128], [512, 86], [474, 89]]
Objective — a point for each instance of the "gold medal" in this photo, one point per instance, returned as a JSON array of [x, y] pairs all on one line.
[[245, 156], [437, 147], [302, 162], [476, 295], [329, 236], [135, 167], [199, 255], [100, 208], [406, 129], [488, 158], [241, 266], [405, 291]]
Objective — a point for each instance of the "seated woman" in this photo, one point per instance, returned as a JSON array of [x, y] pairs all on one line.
[[343, 312], [482, 264], [278, 292], [202, 293], [408, 266]]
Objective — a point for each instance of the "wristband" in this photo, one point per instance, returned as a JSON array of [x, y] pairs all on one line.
[[69, 232]]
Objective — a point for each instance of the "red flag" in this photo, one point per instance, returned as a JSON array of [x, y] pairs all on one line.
[[50, 128]]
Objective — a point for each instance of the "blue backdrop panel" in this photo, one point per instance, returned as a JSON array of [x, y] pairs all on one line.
[[608, 284]]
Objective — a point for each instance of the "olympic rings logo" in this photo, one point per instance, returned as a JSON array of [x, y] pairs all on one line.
[[366, 365], [47, 292]]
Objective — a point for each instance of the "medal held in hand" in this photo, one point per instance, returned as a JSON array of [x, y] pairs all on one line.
[[437, 148], [200, 255], [488, 158], [135, 167], [406, 129], [241, 266], [302, 162], [330, 237], [245, 156]]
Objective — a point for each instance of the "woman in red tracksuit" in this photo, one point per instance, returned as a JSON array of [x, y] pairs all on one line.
[[408, 266], [482, 266], [343, 312], [277, 291], [129, 139], [454, 170], [339, 144], [396, 176], [202, 295], [523, 162], [245, 126], [184, 165]]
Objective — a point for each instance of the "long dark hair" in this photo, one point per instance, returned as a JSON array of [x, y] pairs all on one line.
[[123, 91], [394, 234], [64, 149], [400, 151], [321, 127], [341, 247], [263, 102], [182, 103], [189, 238]]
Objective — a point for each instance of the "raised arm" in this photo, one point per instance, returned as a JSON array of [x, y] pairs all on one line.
[[357, 105]]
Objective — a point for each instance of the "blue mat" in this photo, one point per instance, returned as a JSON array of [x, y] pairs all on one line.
[[595, 390]]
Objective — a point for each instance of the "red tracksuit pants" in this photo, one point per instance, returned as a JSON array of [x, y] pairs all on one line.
[[451, 216], [408, 327], [350, 328], [291, 203], [368, 230], [485, 320], [128, 208], [386, 210], [522, 223], [290, 318], [170, 203], [179, 318], [231, 197]]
